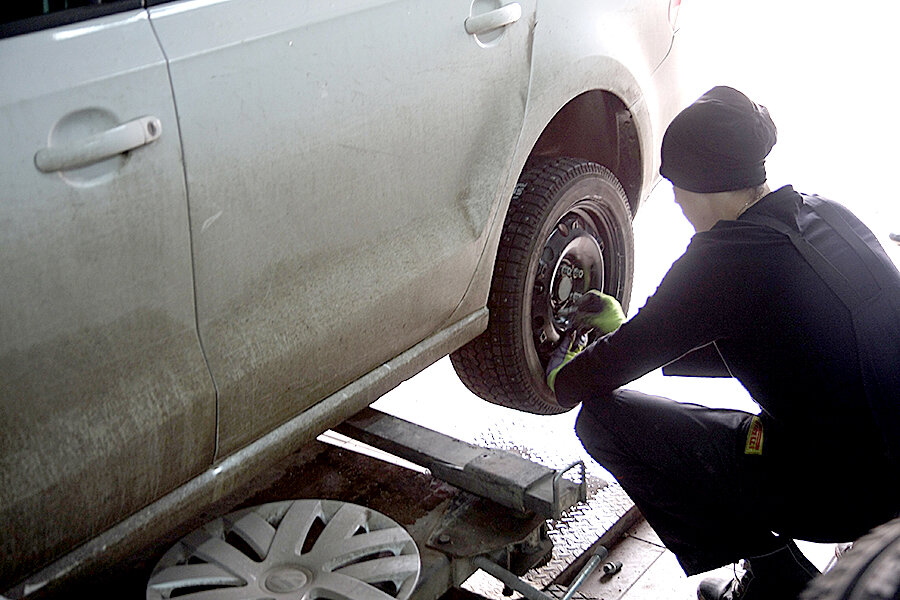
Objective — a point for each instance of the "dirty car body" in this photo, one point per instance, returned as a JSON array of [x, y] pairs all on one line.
[[227, 226]]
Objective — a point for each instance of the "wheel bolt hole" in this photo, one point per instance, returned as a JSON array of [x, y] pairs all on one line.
[[547, 256]]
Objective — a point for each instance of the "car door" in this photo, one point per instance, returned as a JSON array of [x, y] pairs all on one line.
[[343, 162], [106, 402]]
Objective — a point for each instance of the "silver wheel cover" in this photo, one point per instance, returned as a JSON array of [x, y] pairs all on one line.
[[300, 549]]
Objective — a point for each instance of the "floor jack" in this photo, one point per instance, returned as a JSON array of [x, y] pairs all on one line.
[[515, 495], [333, 520]]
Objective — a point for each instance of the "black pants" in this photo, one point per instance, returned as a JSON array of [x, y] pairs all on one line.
[[688, 470]]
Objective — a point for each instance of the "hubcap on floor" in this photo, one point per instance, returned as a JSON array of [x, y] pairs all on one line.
[[299, 549]]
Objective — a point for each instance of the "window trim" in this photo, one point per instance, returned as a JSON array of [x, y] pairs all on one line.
[[66, 17]]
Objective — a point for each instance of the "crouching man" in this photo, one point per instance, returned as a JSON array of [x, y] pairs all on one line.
[[793, 296]]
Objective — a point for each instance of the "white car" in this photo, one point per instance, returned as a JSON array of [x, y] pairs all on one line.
[[228, 225]]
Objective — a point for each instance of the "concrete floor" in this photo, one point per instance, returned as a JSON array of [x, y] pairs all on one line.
[[650, 572]]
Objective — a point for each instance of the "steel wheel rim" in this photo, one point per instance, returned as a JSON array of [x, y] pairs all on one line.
[[300, 549], [577, 240]]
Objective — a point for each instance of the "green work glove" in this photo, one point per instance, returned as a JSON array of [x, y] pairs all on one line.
[[598, 311], [571, 344]]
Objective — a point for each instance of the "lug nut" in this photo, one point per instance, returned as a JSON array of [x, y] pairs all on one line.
[[611, 568]]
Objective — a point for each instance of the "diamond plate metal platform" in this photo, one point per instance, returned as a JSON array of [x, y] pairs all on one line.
[[602, 520]]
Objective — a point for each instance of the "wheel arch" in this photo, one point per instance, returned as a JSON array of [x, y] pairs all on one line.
[[604, 99], [593, 101], [595, 126]]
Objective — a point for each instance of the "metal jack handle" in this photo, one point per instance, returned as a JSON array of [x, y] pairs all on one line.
[[599, 554], [582, 487], [511, 581]]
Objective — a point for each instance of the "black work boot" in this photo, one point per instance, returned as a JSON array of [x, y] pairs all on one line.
[[780, 575]]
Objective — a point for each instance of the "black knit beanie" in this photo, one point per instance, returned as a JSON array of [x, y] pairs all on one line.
[[718, 144]]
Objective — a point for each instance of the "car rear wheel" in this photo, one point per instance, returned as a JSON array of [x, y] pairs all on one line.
[[568, 230]]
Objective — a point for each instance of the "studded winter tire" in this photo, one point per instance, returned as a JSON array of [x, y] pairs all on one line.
[[568, 230], [870, 570]]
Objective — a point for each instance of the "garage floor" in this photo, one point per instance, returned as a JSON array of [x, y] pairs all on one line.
[[650, 572]]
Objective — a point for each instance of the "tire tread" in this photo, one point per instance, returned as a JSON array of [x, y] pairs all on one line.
[[491, 365], [870, 570]]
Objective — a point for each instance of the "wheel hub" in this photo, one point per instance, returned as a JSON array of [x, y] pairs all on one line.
[[570, 264], [568, 278], [564, 288]]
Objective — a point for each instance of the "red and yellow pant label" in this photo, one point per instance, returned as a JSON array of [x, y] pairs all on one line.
[[754, 443]]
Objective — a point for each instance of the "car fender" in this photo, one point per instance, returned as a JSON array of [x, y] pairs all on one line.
[[582, 47]]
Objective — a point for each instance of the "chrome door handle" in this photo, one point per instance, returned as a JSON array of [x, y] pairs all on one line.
[[494, 19], [99, 146]]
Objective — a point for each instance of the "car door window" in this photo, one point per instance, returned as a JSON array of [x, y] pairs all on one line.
[[23, 16]]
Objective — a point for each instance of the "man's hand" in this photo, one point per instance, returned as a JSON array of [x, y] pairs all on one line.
[[598, 311], [571, 344]]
